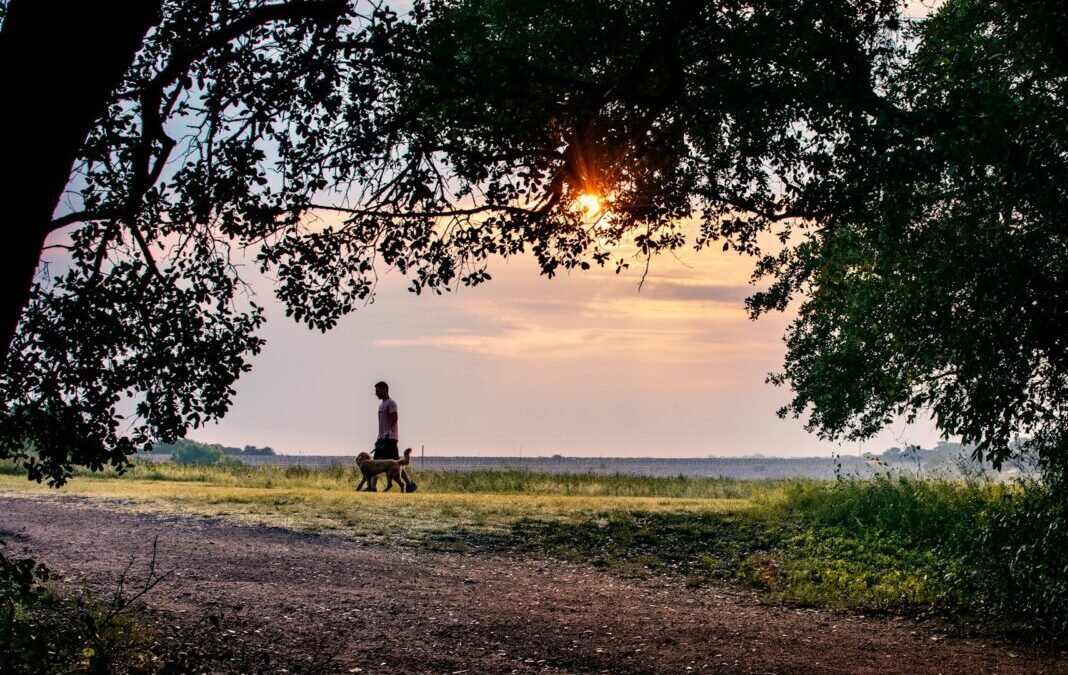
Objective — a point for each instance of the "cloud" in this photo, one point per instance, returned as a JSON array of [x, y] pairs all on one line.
[[657, 332], [679, 316], [725, 293], [535, 344]]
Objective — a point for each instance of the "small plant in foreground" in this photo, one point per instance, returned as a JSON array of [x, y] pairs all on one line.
[[43, 630]]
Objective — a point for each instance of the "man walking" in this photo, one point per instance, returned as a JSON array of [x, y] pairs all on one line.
[[386, 445]]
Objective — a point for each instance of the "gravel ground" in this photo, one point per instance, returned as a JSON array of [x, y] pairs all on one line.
[[273, 600]]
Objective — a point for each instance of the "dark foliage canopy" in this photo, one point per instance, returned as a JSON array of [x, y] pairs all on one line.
[[900, 179], [946, 288]]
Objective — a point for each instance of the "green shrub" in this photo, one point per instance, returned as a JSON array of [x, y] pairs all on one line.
[[1015, 564]]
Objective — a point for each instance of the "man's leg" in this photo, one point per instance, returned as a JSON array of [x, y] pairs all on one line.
[[386, 448]]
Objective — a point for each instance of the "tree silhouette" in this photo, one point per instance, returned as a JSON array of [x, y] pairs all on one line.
[[53, 96], [945, 289], [138, 331]]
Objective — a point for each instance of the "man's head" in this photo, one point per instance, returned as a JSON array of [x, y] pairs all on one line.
[[382, 390]]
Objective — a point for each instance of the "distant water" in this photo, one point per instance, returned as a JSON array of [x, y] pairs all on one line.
[[704, 467]]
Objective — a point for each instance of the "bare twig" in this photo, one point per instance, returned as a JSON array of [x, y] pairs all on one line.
[[120, 603]]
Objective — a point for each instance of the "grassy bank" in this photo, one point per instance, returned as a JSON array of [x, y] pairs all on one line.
[[900, 544]]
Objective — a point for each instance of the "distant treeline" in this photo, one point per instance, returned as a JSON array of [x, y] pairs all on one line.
[[914, 453], [184, 445], [947, 455]]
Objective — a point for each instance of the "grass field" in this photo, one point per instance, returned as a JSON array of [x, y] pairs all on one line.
[[889, 543], [450, 509]]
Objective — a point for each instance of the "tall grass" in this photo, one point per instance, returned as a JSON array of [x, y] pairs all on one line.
[[926, 510], [888, 542], [990, 552]]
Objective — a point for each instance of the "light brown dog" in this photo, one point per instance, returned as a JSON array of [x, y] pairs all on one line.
[[373, 468]]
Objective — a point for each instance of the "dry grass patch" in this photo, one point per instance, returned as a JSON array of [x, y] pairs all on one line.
[[382, 517]]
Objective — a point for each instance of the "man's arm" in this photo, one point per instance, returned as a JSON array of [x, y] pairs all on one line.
[[391, 415]]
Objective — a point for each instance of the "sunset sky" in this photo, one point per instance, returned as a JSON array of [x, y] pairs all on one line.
[[579, 365]]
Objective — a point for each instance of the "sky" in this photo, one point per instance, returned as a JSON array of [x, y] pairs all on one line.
[[580, 365]]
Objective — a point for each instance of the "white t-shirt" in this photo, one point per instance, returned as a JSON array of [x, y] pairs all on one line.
[[386, 427]]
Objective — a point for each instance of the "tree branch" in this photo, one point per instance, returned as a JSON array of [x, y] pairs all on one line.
[[85, 216], [288, 11], [452, 213]]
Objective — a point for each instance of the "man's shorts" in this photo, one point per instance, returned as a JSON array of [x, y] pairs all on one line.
[[386, 448]]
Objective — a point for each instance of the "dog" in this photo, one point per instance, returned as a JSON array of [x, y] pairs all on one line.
[[373, 468]]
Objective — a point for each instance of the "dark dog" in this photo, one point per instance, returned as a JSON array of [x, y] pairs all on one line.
[[373, 468]]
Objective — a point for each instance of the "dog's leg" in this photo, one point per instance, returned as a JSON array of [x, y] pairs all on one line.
[[409, 485], [363, 481], [369, 481]]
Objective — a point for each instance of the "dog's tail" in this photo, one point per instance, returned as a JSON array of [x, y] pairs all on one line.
[[407, 457]]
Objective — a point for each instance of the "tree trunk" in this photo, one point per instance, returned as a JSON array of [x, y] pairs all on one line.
[[59, 62]]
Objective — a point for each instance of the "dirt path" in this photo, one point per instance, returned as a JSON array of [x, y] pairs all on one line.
[[354, 608]]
